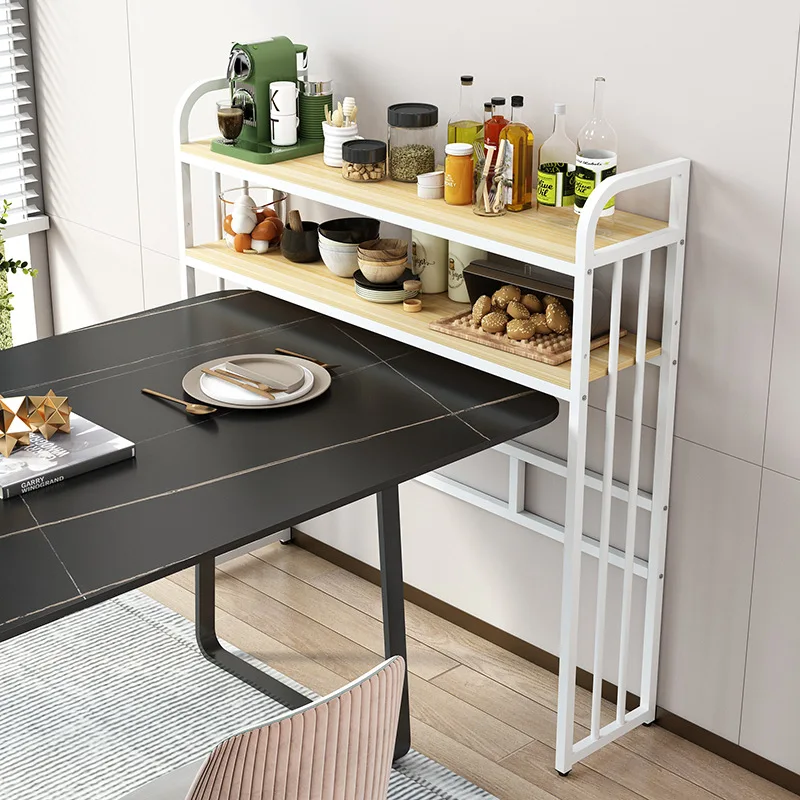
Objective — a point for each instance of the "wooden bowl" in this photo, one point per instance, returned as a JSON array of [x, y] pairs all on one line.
[[381, 250], [382, 272]]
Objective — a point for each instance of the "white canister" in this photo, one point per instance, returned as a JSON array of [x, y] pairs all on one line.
[[283, 98], [334, 139], [459, 256], [429, 256], [283, 130]]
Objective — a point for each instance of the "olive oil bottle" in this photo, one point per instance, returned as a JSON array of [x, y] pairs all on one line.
[[597, 153], [519, 159], [465, 125], [555, 183]]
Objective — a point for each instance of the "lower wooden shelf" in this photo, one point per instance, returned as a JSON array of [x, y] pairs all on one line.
[[314, 287]]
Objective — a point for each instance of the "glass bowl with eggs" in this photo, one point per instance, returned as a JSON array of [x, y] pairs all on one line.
[[253, 218]]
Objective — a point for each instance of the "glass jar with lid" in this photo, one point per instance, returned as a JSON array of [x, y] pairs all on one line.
[[459, 171], [364, 160], [412, 140]]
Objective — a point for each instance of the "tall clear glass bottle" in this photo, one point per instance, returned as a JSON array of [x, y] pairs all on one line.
[[519, 159], [597, 153], [555, 184], [465, 126]]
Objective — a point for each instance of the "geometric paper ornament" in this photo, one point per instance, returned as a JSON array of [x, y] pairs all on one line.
[[49, 414], [14, 427]]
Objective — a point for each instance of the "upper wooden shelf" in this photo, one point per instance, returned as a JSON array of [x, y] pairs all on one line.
[[545, 238], [314, 287]]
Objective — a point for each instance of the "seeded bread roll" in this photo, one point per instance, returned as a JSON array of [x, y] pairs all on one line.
[[539, 321], [483, 305], [505, 294], [495, 322], [533, 304], [557, 318], [520, 329], [548, 298], [516, 310]]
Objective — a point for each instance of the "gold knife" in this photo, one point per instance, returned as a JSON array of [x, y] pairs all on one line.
[[240, 384]]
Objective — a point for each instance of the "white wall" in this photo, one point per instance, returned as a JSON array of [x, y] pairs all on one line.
[[684, 78]]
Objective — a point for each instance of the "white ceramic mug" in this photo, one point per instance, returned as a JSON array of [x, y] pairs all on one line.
[[334, 139], [429, 257], [460, 256], [283, 130], [283, 98]]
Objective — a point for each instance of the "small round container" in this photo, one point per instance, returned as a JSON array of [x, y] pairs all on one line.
[[301, 247], [364, 160], [459, 174], [412, 140]]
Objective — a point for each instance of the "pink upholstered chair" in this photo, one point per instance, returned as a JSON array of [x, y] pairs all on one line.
[[337, 748]]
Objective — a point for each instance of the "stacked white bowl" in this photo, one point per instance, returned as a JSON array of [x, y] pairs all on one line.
[[340, 258]]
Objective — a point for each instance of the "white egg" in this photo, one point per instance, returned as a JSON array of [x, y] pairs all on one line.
[[228, 239], [244, 202], [243, 221], [260, 245]]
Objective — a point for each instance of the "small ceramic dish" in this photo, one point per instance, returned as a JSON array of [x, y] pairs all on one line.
[[430, 192], [431, 179]]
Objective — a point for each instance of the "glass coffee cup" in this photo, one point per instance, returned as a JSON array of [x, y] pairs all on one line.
[[230, 119]]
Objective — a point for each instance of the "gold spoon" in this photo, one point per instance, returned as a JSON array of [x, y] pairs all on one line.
[[191, 408]]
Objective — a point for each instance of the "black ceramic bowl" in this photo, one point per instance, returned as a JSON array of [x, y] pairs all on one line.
[[351, 230], [301, 247]]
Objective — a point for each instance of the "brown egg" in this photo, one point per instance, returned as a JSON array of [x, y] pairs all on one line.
[[278, 227], [265, 231], [227, 225], [241, 242], [266, 213]]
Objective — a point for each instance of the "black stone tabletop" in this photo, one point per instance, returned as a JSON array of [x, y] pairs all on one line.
[[201, 486]]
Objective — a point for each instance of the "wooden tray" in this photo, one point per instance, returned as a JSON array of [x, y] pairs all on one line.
[[549, 348]]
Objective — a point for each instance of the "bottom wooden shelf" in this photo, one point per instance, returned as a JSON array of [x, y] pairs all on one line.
[[314, 287]]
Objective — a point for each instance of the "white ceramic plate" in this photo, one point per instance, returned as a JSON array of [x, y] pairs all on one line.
[[192, 385], [224, 392]]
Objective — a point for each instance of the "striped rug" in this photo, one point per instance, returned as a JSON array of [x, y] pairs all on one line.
[[110, 698]]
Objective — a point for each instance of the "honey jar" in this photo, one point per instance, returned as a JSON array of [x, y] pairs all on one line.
[[458, 174]]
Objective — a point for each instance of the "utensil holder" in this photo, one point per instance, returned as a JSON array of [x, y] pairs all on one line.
[[334, 139]]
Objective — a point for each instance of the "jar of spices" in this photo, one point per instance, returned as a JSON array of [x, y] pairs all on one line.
[[364, 160], [412, 140], [458, 174]]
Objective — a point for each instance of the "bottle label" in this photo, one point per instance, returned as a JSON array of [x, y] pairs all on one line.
[[589, 172], [555, 184], [508, 175]]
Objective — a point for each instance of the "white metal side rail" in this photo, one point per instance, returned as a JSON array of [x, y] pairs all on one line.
[[578, 479]]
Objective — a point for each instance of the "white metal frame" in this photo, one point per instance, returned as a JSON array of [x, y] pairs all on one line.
[[573, 469]]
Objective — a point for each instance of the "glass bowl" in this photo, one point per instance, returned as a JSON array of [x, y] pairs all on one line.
[[253, 218]]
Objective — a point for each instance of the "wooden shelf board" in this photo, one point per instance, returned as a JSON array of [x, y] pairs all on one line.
[[322, 290], [549, 235]]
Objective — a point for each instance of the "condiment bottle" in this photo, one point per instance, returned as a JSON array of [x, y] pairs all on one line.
[[465, 125], [555, 185], [519, 159], [458, 174], [597, 153], [496, 122]]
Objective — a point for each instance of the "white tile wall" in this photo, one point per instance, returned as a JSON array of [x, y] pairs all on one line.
[[684, 79], [772, 689]]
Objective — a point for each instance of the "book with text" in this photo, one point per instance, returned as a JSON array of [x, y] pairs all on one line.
[[43, 462]]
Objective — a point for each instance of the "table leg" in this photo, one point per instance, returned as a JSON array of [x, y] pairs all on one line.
[[394, 615], [205, 630]]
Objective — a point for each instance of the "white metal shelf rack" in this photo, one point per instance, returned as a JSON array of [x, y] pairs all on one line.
[[534, 238]]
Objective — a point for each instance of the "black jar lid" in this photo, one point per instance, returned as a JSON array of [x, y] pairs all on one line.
[[364, 151], [498, 101], [517, 101], [413, 115]]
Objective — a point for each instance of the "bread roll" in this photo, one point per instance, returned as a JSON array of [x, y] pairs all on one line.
[[539, 321], [557, 318], [520, 329], [548, 298], [533, 304], [516, 310], [483, 305], [494, 322], [505, 294]]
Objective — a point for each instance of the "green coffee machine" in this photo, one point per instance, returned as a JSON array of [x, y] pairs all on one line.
[[251, 69]]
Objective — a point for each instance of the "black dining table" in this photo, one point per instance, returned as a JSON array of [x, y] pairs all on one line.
[[200, 487]]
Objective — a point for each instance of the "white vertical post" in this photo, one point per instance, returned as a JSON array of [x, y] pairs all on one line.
[[670, 340], [186, 233], [218, 218], [516, 485], [573, 520], [605, 511], [633, 485]]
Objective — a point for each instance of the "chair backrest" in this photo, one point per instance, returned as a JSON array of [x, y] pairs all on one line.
[[337, 748]]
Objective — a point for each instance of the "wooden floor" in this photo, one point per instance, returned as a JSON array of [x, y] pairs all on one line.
[[483, 712]]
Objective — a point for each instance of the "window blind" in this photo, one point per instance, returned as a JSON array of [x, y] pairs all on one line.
[[19, 157]]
